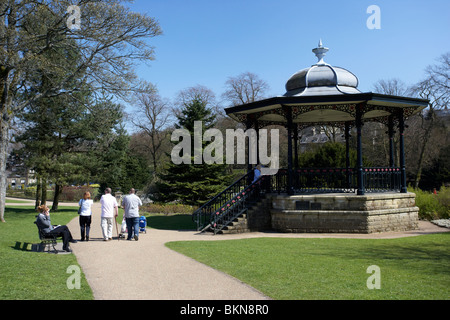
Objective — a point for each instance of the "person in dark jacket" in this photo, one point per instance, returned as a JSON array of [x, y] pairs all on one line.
[[44, 223]]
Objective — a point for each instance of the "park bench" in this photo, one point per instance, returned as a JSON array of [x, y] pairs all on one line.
[[48, 239]]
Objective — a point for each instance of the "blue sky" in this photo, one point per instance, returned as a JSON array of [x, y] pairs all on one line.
[[205, 42]]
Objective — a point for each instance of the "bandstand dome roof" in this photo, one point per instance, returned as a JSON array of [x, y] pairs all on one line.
[[324, 94], [321, 79]]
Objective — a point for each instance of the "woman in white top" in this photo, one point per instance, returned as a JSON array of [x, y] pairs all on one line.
[[85, 215]]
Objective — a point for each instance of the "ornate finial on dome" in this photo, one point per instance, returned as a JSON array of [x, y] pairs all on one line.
[[320, 52]]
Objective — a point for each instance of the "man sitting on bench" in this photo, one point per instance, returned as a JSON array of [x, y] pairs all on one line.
[[43, 222]]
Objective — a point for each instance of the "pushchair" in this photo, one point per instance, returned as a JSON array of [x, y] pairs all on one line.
[[143, 224], [123, 229]]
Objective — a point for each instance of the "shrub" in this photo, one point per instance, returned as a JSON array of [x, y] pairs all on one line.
[[433, 206], [30, 192], [170, 208], [75, 193], [330, 155], [443, 198]]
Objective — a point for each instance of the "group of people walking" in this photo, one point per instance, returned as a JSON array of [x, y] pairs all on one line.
[[110, 210]]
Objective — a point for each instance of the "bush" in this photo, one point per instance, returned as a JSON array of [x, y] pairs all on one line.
[[30, 192], [74, 194], [167, 209], [330, 155], [433, 206], [443, 198]]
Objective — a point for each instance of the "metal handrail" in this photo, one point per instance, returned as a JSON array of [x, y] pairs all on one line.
[[202, 215], [231, 202], [235, 206]]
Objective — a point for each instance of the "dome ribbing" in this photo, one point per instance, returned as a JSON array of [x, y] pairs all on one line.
[[322, 79]]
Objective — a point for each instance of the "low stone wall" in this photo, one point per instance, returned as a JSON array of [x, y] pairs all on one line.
[[343, 213]]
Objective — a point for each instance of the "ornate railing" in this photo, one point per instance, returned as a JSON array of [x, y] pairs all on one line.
[[325, 180], [312, 180], [218, 212], [382, 179]]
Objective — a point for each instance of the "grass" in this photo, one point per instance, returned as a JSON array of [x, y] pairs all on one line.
[[8, 201], [284, 269], [27, 275], [316, 269], [171, 222]]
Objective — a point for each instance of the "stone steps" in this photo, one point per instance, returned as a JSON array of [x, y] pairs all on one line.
[[239, 225]]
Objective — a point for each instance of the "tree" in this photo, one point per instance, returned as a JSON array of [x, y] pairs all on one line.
[[438, 174], [55, 127], [374, 132], [152, 116], [435, 88], [110, 40], [59, 139], [110, 160], [245, 88], [193, 184], [329, 155], [394, 87]]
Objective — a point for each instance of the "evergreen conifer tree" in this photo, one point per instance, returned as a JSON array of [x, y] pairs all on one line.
[[192, 184]]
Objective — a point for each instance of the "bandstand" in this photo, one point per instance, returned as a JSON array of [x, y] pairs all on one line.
[[352, 199]]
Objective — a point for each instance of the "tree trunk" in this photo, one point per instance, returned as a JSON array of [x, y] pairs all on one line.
[[426, 137], [4, 141], [38, 191], [44, 190], [56, 197]]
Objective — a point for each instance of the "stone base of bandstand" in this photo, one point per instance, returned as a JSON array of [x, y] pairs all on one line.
[[342, 213]]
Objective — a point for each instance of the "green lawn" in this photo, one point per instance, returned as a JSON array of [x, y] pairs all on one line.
[[293, 269], [9, 201], [27, 275], [411, 268], [170, 222]]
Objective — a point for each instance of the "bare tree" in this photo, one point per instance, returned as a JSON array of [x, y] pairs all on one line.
[[200, 94], [153, 115], [394, 87], [435, 88], [108, 39], [245, 88], [331, 132]]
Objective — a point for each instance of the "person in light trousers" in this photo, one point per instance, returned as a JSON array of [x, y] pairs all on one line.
[[110, 210], [131, 204]]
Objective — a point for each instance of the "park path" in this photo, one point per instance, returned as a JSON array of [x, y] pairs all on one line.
[[147, 269]]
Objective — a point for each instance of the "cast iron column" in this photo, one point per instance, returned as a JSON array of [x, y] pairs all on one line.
[[391, 141], [289, 129], [359, 161], [347, 153], [296, 146], [248, 125], [401, 127]]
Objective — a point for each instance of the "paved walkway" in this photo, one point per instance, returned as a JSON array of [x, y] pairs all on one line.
[[147, 269]]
